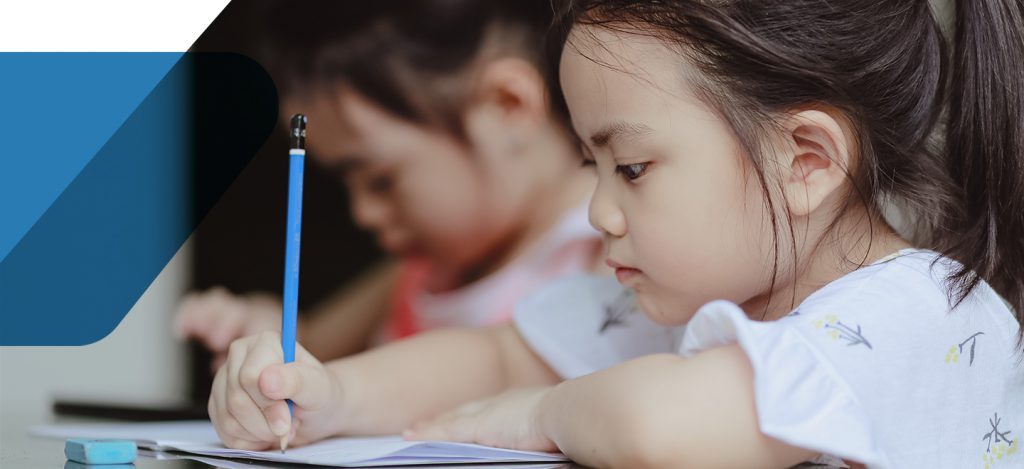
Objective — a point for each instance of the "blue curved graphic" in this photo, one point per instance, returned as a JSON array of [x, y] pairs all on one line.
[[98, 192], [58, 110]]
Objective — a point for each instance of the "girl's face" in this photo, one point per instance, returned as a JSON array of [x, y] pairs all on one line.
[[423, 193], [682, 216]]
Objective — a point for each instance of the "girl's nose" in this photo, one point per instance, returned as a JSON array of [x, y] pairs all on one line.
[[605, 214], [370, 211]]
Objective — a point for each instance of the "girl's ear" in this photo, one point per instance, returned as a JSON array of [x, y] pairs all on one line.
[[507, 106], [814, 160]]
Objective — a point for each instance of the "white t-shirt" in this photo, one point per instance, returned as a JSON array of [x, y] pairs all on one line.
[[873, 367]]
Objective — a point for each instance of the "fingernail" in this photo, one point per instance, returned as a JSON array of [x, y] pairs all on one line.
[[279, 426], [407, 433]]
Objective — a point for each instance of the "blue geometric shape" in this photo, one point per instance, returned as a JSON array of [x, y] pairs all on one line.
[[85, 262], [59, 109]]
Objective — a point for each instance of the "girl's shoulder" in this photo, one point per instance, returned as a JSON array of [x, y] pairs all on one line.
[[907, 276], [878, 367], [907, 291]]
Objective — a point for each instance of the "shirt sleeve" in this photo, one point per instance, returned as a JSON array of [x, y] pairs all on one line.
[[879, 367], [586, 323], [800, 397]]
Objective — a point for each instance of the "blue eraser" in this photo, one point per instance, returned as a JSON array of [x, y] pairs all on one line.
[[77, 465], [100, 451]]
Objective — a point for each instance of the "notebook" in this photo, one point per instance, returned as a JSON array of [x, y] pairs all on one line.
[[199, 438]]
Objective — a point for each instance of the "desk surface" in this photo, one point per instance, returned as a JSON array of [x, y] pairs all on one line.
[[20, 450]]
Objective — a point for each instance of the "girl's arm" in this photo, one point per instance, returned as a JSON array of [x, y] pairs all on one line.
[[341, 326], [381, 391], [386, 389], [344, 323], [665, 411]]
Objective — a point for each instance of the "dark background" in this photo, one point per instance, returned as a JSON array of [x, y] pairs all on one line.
[[240, 242]]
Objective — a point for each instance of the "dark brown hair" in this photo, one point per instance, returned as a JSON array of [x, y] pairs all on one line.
[[412, 57], [940, 129]]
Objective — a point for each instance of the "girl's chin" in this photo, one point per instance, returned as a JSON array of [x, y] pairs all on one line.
[[659, 311]]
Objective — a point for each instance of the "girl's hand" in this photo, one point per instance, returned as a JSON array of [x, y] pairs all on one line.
[[508, 420], [216, 317], [247, 404]]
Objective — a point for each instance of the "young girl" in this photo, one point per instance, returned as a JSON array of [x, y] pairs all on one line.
[[435, 115], [744, 151]]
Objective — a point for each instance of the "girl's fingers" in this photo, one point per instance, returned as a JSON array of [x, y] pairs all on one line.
[[227, 318], [183, 319], [230, 438], [294, 438], [265, 353], [307, 384], [421, 431], [279, 419], [218, 361], [250, 418], [242, 443], [262, 353], [230, 432], [241, 406], [200, 315], [302, 355], [251, 406], [432, 432], [193, 318], [447, 427]]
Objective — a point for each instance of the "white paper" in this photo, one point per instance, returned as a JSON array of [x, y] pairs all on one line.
[[199, 437]]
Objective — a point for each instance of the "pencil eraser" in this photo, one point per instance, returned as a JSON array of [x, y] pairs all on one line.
[[100, 451]]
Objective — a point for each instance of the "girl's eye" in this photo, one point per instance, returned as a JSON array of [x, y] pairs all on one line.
[[380, 183], [377, 181], [588, 162], [632, 171]]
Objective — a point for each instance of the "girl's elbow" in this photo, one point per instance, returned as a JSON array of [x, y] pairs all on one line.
[[641, 454], [646, 443]]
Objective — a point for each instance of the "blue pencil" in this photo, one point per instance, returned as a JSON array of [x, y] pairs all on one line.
[[296, 161]]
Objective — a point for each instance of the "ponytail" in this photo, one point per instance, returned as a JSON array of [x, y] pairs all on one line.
[[985, 149]]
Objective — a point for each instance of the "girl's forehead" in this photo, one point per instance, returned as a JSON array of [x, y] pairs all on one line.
[[625, 49], [609, 76], [353, 120]]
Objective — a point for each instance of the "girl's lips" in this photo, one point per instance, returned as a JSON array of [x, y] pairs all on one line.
[[624, 274], [403, 250]]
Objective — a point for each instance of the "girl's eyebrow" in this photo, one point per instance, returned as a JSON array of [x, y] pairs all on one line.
[[617, 130], [346, 163]]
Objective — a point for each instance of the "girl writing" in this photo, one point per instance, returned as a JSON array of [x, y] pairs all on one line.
[[771, 315], [433, 112]]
